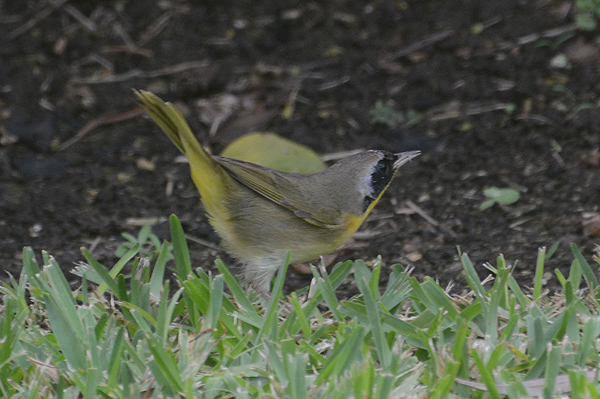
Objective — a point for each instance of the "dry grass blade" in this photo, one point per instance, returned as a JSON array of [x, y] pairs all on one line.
[[428, 41], [33, 21], [534, 387], [103, 120], [138, 73]]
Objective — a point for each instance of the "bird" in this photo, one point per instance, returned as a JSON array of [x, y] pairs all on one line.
[[261, 214]]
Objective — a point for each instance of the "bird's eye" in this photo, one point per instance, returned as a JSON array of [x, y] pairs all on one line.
[[382, 167]]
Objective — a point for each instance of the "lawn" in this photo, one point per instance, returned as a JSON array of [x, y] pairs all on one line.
[[124, 331]]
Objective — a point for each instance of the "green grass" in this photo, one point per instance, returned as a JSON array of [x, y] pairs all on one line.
[[132, 335], [587, 12]]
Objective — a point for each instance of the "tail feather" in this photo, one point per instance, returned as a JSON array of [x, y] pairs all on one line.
[[208, 176]]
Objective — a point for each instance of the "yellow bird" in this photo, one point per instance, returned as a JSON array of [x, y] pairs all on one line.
[[261, 213]]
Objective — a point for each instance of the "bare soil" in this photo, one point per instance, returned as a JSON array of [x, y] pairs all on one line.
[[495, 93]]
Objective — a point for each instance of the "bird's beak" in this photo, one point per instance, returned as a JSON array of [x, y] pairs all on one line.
[[404, 157]]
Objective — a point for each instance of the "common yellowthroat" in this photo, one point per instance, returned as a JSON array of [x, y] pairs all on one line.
[[261, 213]]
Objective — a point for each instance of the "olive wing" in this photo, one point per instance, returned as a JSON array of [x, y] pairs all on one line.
[[282, 189]]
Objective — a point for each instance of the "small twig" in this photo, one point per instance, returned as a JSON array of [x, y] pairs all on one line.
[[93, 58], [103, 120], [538, 118], [203, 242], [455, 109], [428, 41], [122, 33], [157, 26], [46, 369], [519, 222], [547, 34], [422, 213], [137, 73], [33, 21], [93, 244], [82, 19], [126, 49], [334, 83], [304, 68], [482, 108], [491, 22], [429, 219]]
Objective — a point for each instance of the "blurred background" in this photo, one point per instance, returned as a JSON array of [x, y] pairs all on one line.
[[496, 94]]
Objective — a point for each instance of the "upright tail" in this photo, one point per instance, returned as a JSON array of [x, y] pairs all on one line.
[[208, 176]]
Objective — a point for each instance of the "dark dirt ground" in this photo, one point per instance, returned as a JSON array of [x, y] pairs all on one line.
[[495, 93]]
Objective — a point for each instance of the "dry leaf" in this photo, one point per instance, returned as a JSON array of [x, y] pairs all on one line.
[[272, 151], [591, 224]]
